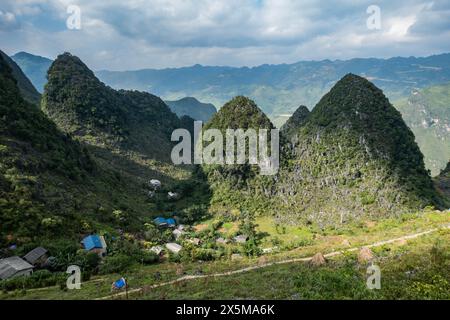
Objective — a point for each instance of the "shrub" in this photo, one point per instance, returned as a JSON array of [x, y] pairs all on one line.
[[39, 279], [251, 248], [148, 257], [116, 264]]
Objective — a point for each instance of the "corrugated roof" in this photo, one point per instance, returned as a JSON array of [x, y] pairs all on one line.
[[12, 265], [35, 254]]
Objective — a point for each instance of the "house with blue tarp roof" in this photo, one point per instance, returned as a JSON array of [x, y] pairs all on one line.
[[95, 243], [163, 222], [171, 222]]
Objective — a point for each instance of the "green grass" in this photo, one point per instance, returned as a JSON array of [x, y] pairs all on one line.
[[418, 271], [297, 281]]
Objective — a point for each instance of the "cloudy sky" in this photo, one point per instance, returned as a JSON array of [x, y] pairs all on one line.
[[134, 34]]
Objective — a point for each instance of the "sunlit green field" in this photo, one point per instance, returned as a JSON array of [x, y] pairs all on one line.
[[413, 269]]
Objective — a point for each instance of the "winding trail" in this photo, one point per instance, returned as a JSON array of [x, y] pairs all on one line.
[[269, 264]]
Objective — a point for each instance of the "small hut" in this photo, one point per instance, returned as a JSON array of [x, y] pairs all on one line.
[[37, 256], [14, 267]]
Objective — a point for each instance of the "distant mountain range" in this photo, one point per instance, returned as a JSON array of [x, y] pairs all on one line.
[[280, 89], [277, 89]]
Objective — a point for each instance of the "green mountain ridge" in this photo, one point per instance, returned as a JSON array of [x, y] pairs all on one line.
[[443, 181], [27, 90], [355, 157], [125, 120], [57, 186], [35, 67], [44, 174], [193, 108], [278, 89], [295, 121], [233, 185], [352, 157]]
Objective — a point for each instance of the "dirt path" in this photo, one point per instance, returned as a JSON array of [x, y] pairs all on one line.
[[269, 264]]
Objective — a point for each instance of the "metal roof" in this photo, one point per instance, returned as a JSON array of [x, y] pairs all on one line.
[[35, 254], [10, 266]]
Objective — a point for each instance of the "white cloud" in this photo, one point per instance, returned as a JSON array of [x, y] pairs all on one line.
[[7, 21], [119, 34], [400, 26]]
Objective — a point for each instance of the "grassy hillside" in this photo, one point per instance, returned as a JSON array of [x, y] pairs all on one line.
[[410, 269]]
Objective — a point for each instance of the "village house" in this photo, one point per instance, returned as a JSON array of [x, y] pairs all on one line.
[[14, 267], [173, 196], [194, 241], [37, 256], [155, 184], [95, 243], [177, 233], [174, 247], [163, 222], [157, 250], [241, 238], [221, 241]]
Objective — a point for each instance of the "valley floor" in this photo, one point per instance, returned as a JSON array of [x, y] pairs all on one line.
[[411, 268]]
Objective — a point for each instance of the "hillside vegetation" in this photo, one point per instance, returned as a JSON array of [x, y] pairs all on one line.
[[279, 89], [233, 185], [35, 67], [27, 90], [43, 171], [427, 113], [443, 181], [353, 156], [53, 186], [127, 120]]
